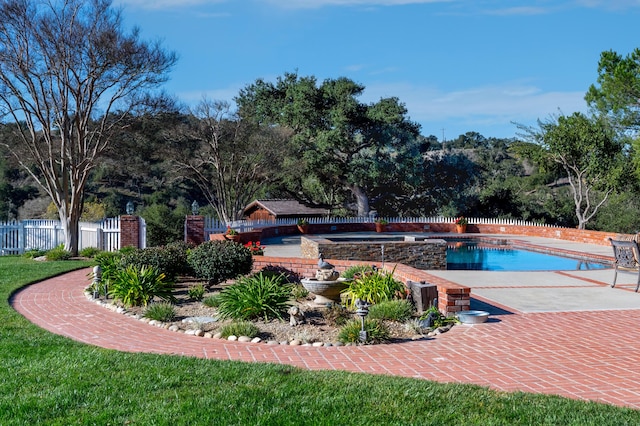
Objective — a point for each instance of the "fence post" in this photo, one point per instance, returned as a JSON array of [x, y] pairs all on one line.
[[129, 231], [22, 237], [194, 229], [100, 238]]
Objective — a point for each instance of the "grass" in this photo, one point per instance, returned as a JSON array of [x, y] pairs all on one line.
[[48, 379]]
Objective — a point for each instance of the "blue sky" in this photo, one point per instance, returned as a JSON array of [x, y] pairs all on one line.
[[458, 65]]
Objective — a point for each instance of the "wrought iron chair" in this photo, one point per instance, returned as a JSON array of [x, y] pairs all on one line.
[[627, 254]]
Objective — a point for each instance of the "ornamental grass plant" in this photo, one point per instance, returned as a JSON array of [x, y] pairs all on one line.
[[161, 311], [377, 332], [395, 310], [373, 287], [135, 286], [257, 296]]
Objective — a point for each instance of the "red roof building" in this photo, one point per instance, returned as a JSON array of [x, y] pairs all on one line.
[[279, 209]]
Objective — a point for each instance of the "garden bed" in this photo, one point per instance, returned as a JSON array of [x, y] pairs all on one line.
[[194, 317]]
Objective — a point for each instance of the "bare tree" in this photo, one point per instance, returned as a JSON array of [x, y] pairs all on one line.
[[233, 161], [70, 76]]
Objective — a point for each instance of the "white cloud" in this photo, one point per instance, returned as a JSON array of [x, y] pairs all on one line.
[[313, 4], [165, 4], [610, 4], [495, 105], [523, 10]]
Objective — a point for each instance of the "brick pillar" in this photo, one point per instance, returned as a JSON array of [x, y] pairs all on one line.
[[194, 229], [129, 231]]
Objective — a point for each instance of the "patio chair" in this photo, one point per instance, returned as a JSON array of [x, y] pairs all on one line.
[[627, 255]]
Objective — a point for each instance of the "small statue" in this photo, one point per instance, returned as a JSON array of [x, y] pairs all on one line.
[[323, 264], [327, 275], [296, 316]]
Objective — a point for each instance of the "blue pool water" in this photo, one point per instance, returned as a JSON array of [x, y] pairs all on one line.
[[471, 256]]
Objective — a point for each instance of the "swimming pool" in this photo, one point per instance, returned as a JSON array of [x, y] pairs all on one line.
[[472, 255]]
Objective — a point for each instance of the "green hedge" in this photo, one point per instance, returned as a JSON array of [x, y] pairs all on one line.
[[218, 261]]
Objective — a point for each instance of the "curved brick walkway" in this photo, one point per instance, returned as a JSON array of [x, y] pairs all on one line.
[[585, 355]]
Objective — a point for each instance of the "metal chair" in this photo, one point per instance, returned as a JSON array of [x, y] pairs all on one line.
[[627, 255]]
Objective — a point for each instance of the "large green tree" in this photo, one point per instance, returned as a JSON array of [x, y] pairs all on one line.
[[71, 74], [339, 142], [617, 93], [590, 154]]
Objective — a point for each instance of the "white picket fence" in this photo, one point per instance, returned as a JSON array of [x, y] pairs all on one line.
[[18, 237], [214, 226]]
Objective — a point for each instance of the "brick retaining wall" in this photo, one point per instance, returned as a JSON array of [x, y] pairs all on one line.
[[452, 297]]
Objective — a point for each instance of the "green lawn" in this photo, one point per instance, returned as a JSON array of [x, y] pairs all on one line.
[[47, 379]]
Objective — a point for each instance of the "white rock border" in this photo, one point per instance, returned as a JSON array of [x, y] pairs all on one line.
[[241, 339]]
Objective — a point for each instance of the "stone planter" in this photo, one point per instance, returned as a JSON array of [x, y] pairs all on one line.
[[461, 229], [381, 227]]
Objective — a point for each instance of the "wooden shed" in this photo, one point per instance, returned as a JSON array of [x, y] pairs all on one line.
[[280, 209]]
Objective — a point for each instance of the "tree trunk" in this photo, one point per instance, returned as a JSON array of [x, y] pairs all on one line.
[[70, 226], [362, 200]]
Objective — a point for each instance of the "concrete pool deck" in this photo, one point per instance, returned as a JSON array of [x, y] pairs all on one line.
[[581, 354], [523, 292]]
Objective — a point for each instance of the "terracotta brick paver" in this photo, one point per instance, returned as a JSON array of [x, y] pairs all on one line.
[[582, 355]]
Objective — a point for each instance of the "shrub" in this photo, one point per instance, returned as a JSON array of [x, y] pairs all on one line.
[[170, 259], [138, 286], [164, 225], [258, 296], [218, 261], [33, 253], [289, 275], [196, 292], [299, 292], [110, 263], [395, 310], [377, 332], [58, 253], [436, 319], [212, 301], [89, 252], [127, 250], [239, 328], [162, 311], [359, 270], [374, 288]]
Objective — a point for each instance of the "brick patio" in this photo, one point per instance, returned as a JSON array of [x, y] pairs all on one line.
[[584, 355]]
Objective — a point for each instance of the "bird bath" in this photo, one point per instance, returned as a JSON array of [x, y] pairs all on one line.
[[326, 291], [327, 284]]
